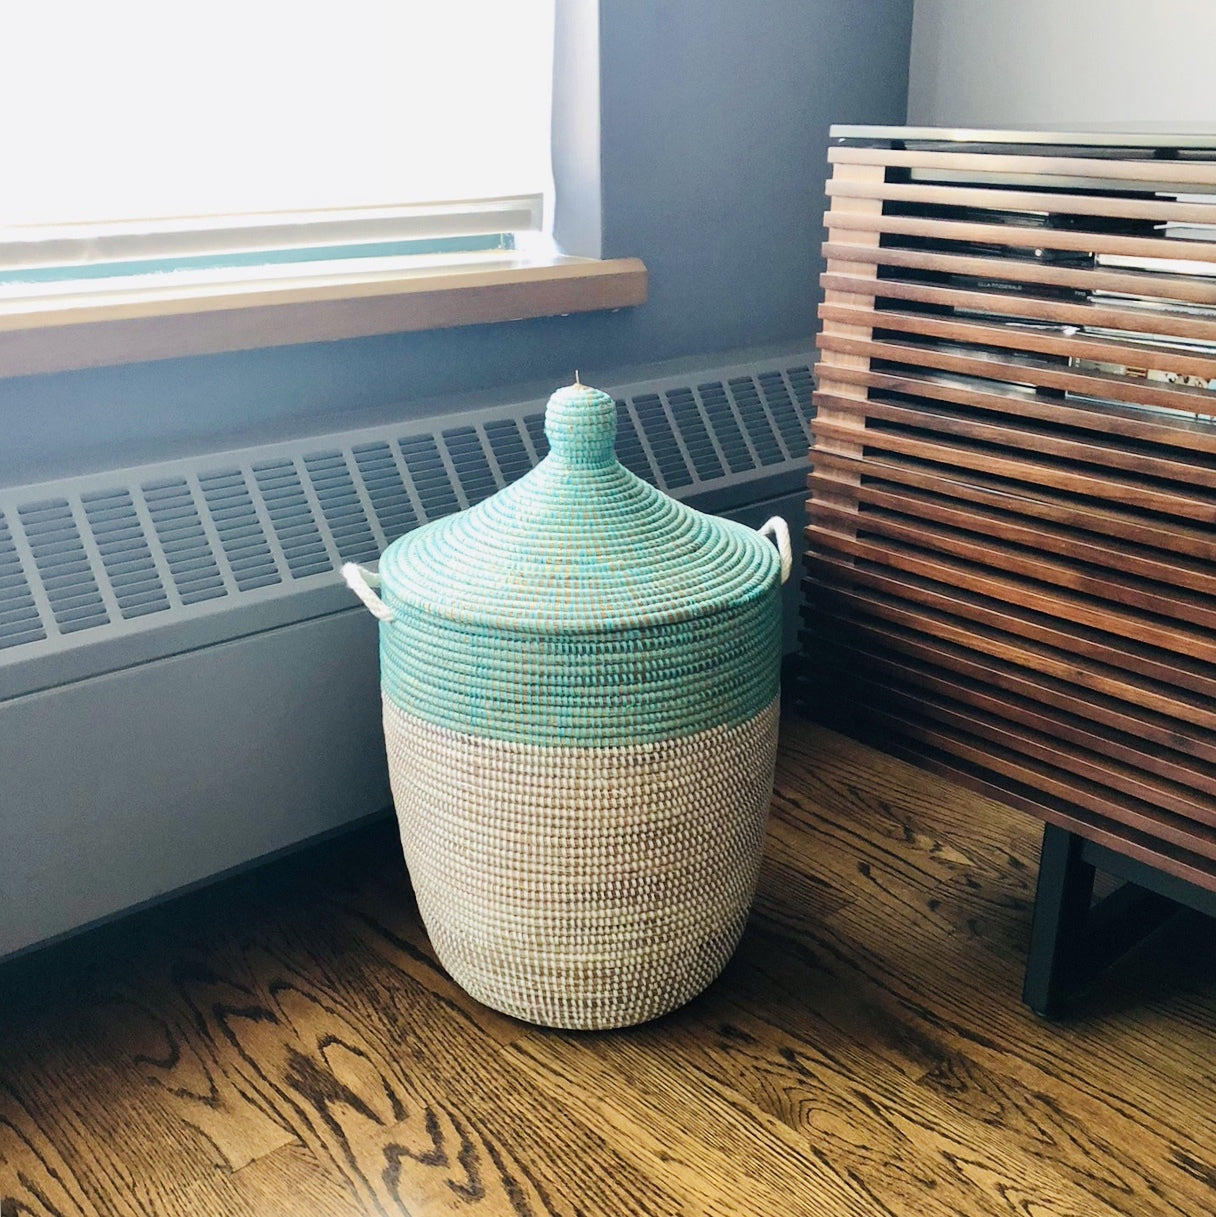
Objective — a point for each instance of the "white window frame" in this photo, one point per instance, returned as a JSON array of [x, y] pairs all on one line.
[[69, 246]]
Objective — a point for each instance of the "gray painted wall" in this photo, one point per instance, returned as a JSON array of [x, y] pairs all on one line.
[[714, 117], [1063, 63]]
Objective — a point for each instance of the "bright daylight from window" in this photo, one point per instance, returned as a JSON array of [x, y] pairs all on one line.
[[141, 110]]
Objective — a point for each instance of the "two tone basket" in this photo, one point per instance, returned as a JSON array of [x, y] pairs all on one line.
[[580, 687]]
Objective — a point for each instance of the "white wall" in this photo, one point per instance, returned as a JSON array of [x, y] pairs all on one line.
[[1063, 63]]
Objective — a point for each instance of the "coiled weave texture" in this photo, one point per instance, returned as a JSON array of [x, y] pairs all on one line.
[[583, 887], [580, 605]]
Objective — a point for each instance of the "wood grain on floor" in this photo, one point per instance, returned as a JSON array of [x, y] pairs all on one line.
[[284, 1043]]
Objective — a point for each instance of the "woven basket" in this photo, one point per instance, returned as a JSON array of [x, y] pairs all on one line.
[[580, 706]]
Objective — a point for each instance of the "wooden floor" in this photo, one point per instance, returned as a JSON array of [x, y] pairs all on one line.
[[285, 1044]]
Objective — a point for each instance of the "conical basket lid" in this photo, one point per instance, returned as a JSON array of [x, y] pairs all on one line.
[[578, 544]]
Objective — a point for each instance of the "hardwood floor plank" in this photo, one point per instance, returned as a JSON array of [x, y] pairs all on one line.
[[98, 1136], [820, 768], [394, 1088], [953, 1123], [36, 1176], [890, 954], [286, 1182], [386, 921], [937, 1034], [166, 1050], [716, 1151], [1058, 1065]]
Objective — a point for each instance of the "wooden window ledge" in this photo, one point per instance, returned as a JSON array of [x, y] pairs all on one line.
[[129, 325]]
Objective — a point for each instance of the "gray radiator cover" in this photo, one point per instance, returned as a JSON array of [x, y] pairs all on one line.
[[184, 684]]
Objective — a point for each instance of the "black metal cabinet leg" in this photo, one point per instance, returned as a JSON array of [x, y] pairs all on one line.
[[1061, 908]]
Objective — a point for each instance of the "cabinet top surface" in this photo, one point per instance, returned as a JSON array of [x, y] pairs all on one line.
[[1131, 135]]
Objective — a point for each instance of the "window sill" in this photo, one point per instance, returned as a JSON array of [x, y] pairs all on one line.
[[129, 326]]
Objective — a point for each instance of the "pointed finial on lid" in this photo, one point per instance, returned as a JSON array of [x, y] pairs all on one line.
[[580, 424], [576, 379]]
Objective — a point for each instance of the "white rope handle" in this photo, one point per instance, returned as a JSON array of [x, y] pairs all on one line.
[[779, 530], [362, 581]]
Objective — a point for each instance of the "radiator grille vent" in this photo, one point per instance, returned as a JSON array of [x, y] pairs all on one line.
[[62, 566], [425, 468], [469, 458], [183, 540], [781, 407], [112, 554], [125, 553], [535, 423], [756, 421], [700, 448], [508, 448], [20, 621], [739, 454], [240, 532], [382, 478], [665, 449], [341, 506]]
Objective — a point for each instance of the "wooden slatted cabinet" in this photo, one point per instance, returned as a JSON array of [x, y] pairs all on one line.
[[1011, 562]]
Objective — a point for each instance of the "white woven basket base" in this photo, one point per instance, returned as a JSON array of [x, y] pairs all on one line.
[[583, 887]]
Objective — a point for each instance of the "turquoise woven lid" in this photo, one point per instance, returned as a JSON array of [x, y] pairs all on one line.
[[578, 544], [579, 606]]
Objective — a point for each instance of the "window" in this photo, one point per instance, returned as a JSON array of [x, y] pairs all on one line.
[[125, 117], [167, 160]]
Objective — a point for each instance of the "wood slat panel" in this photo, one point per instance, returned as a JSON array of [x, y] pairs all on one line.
[[1166, 569], [1020, 236], [1069, 310], [1023, 338], [941, 612], [1116, 170], [1186, 289], [1077, 611], [1102, 587], [958, 454], [1184, 400], [987, 198], [1181, 542], [1018, 767], [1073, 757], [866, 651], [1139, 469], [1111, 418], [1012, 521], [866, 177]]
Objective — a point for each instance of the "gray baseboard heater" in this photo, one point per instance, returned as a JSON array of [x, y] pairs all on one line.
[[185, 684]]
